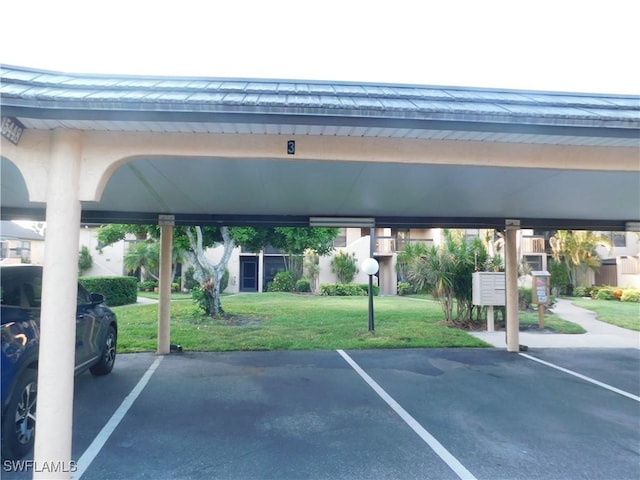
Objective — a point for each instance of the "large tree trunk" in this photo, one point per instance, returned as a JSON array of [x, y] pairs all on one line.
[[209, 276]]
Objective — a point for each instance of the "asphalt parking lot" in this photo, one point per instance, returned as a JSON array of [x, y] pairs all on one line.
[[374, 414]]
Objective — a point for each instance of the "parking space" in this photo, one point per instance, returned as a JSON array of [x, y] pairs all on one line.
[[414, 413]]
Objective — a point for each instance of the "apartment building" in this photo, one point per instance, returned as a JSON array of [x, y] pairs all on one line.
[[19, 244], [252, 272]]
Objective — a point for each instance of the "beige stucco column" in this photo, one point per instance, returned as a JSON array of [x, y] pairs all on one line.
[[164, 306], [511, 264], [58, 314]]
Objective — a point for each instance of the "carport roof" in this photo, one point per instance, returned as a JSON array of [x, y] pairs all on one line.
[[44, 100]]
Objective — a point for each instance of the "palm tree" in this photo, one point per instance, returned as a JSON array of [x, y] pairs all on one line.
[[406, 257], [143, 256], [447, 272], [577, 251], [433, 272]]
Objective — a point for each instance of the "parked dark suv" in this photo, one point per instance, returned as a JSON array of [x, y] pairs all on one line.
[[96, 334]]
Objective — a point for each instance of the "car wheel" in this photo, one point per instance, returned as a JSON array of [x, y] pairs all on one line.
[[108, 356], [19, 420]]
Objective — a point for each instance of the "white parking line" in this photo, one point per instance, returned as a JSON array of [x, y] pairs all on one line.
[[429, 439], [583, 377], [90, 453]]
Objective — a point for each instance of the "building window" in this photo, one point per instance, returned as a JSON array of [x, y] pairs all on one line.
[[534, 262], [4, 249], [619, 239], [341, 240]]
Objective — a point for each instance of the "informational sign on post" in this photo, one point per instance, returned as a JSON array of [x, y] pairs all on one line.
[[540, 292]]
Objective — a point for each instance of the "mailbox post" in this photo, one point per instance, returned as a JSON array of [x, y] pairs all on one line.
[[540, 292]]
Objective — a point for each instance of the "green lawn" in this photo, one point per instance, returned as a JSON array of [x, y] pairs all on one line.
[[551, 321], [273, 321], [622, 314], [174, 295]]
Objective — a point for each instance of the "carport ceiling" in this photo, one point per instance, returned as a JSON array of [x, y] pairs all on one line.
[[277, 191]]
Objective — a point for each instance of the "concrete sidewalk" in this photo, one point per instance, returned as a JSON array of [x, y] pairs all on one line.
[[599, 334]]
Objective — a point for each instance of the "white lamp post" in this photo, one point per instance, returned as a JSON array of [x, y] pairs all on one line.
[[370, 267]]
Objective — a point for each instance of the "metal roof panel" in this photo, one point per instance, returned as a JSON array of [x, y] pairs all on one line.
[[79, 94]]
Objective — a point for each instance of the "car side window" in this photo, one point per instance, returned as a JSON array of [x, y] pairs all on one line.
[[11, 295], [22, 289], [83, 296]]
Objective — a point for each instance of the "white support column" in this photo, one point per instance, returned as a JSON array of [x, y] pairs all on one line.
[[58, 314], [261, 285], [513, 320], [164, 305]]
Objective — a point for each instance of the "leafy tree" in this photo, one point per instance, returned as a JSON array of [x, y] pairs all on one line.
[[112, 233], [312, 266], [208, 275], [576, 250], [194, 241]]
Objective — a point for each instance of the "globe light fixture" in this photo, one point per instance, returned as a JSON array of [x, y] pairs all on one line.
[[370, 266]]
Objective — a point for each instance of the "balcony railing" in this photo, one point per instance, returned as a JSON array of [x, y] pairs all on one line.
[[532, 245], [629, 265]]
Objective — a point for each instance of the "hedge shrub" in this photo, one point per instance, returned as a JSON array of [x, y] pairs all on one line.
[[405, 288], [116, 290], [630, 295], [147, 286], [525, 298], [303, 285], [347, 289], [582, 291], [606, 293], [282, 282]]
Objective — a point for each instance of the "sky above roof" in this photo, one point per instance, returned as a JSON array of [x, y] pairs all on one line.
[[572, 46]]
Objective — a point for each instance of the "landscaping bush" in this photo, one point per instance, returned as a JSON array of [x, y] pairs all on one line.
[[524, 298], [116, 290], [303, 285], [282, 282], [365, 288], [582, 292], [404, 288], [630, 295], [147, 286], [606, 293], [344, 265]]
